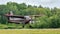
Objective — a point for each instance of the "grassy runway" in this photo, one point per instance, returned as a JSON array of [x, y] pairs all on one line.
[[30, 31]]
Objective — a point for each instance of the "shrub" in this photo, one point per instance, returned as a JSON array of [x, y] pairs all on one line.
[[42, 22]]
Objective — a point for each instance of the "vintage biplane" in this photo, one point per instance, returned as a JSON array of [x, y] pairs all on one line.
[[19, 19]]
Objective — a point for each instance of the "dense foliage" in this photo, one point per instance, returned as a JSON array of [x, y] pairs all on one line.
[[50, 18]]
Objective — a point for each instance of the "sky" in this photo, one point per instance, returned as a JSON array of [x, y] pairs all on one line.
[[44, 3]]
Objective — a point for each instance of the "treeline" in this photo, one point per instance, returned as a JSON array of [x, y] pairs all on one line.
[[51, 18]]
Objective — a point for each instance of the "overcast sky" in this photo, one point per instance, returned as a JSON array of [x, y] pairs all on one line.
[[44, 3]]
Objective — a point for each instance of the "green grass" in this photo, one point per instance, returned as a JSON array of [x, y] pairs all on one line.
[[25, 31], [10, 26], [30, 31]]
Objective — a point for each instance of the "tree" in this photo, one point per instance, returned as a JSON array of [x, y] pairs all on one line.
[[29, 6], [40, 6]]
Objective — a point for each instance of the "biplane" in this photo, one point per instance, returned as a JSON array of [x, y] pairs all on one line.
[[19, 19]]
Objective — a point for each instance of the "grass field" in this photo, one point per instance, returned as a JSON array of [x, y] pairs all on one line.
[[30, 31]]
